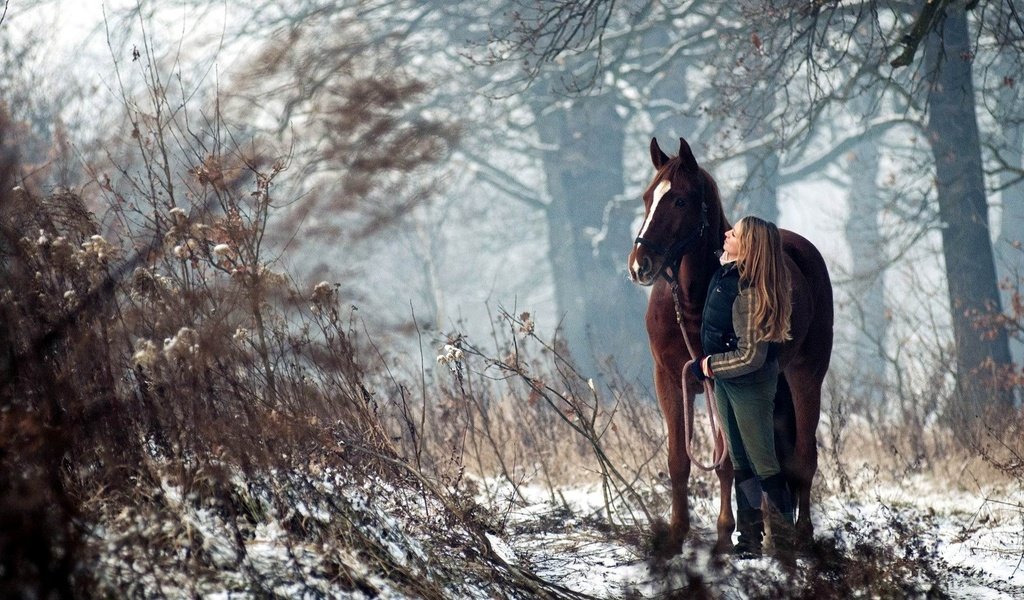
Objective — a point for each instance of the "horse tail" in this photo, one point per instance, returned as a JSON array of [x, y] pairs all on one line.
[[785, 425]]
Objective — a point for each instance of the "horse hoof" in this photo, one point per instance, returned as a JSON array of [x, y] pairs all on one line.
[[665, 543], [804, 542], [805, 531]]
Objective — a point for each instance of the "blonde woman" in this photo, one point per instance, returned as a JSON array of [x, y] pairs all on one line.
[[746, 317]]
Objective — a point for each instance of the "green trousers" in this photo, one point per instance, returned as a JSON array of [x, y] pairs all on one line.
[[746, 412]]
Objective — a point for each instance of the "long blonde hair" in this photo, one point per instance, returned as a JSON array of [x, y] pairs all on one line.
[[762, 266]]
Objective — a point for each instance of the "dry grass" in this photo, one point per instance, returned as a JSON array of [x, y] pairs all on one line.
[[165, 368], [203, 372], [158, 364]]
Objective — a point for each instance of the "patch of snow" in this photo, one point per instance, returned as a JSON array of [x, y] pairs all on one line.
[[503, 550]]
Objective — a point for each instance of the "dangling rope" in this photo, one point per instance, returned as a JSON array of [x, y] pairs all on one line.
[[720, 453]]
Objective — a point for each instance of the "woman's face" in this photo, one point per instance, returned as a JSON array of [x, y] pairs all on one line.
[[732, 241]]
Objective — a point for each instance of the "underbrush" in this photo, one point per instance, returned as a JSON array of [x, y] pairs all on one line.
[[311, 530], [178, 418]]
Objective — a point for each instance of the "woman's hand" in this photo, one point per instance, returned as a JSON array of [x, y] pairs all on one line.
[[697, 371]]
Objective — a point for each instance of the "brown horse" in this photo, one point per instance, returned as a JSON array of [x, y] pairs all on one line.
[[677, 248]]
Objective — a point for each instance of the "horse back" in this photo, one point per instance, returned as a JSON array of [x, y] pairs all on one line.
[[812, 318]]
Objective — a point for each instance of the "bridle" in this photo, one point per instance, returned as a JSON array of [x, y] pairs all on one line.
[[674, 253]]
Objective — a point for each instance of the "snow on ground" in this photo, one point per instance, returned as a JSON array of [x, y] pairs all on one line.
[[965, 545], [980, 536], [312, 537]]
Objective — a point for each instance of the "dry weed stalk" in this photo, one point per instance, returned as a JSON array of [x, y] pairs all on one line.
[[157, 367], [520, 426]]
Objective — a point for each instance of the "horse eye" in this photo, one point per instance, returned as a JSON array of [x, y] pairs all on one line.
[[681, 200]]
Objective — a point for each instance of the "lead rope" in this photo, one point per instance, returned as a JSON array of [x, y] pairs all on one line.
[[720, 453]]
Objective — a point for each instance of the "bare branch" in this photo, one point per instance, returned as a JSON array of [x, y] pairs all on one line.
[[542, 35], [508, 184], [924, 24], [799, 172]]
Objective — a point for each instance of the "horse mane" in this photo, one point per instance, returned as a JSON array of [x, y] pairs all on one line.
[[716, 212]]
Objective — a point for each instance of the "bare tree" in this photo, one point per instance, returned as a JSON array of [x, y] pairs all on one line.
[[817, 55], [952, 129], [591, 71]]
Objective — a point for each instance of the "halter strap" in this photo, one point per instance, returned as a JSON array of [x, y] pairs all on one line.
[[720, 453]]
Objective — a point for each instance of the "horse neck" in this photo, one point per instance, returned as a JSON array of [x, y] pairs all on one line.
[[697, 267], [695, 271]]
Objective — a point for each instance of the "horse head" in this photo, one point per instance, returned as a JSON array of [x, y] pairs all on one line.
[[678, 213]]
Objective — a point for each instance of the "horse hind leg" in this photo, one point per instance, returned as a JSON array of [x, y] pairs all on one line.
[[785, 446], [796, 420]]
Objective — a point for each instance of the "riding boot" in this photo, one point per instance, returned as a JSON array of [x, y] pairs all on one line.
[[749, 518], [750, 524], [780, 518]]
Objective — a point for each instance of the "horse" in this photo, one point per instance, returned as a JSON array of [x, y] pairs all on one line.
[[676, 253]]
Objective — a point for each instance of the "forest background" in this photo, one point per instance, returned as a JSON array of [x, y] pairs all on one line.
[[269, 219]]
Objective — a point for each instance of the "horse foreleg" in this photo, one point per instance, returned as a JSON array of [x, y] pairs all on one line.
[[726, 520], [671, 401]]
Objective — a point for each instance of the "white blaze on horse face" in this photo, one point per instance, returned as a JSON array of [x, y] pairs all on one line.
[[659, 193]]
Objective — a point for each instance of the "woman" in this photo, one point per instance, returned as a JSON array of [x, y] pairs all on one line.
[[746, 316]]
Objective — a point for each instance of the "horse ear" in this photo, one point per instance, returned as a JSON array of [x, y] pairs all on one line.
[[658, 157], [686, 157]]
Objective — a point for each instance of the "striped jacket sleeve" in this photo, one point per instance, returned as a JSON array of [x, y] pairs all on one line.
[[749, 355]]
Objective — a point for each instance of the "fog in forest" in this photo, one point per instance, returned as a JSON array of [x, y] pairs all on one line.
[[464, 172], [523, 191]]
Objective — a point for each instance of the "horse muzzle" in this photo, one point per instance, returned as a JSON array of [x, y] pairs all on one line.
[[643, 270]]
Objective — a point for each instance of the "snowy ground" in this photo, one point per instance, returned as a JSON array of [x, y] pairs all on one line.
[[333, 536], [970, 545]]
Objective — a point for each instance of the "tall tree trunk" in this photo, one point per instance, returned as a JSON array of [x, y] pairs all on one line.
[[952, 129], [867, 292], [1009, 114], [760, 191], [589, 236], [759, 195], [670, 94], [1011, 226], [1010, 148]]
